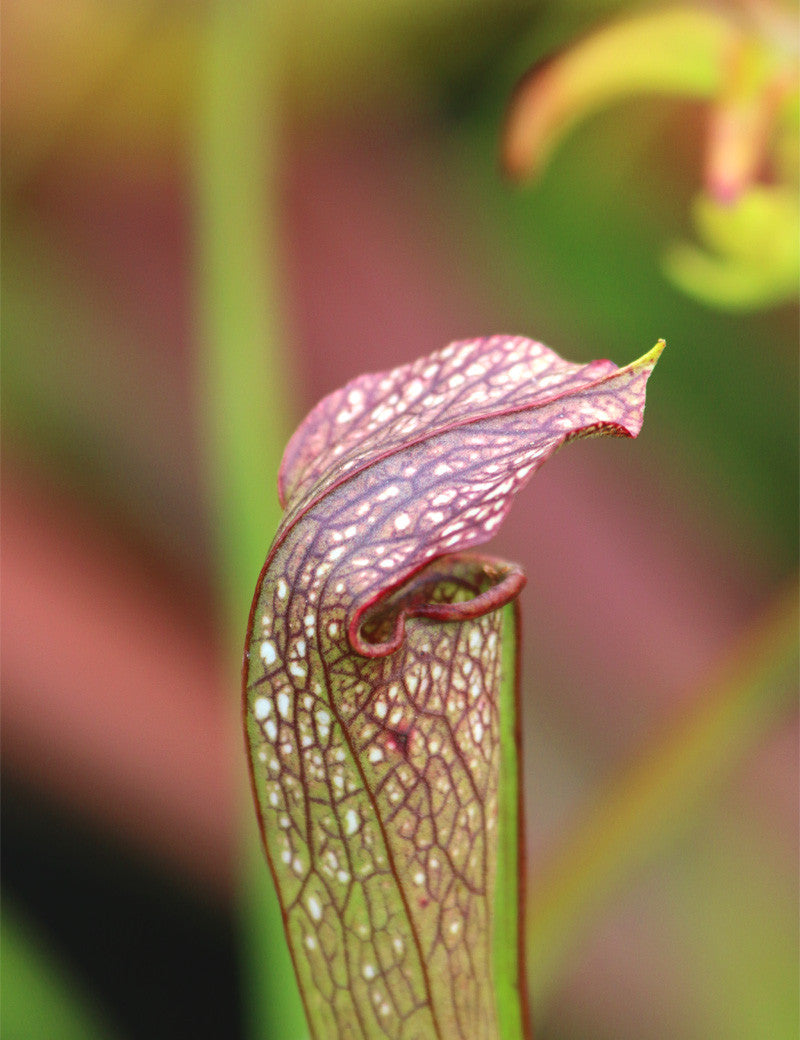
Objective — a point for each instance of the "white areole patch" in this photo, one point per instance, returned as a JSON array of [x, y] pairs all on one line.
[[350, 821], [284, 704], [261, 708], [269, 654], [314, 908]]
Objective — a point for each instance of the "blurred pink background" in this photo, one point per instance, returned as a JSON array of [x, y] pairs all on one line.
[[649, 563]]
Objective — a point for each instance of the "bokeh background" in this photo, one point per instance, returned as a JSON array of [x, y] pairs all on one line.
[[213, 215]]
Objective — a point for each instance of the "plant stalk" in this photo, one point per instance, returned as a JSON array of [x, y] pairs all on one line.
[[242, 406]]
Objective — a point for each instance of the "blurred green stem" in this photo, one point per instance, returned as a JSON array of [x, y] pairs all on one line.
[[243, 396], [637, 816]]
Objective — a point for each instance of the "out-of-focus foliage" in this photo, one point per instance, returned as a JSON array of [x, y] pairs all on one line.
[[647, 809], [39, 1001], [752, 250], [120, 81], [744, 63]]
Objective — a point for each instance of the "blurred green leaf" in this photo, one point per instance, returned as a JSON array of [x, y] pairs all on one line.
[[739, 919], [751, 78], [663, 792], [672, 50], [40, 1000], [753, 254]]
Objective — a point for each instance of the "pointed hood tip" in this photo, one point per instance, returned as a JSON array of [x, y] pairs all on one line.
[[655, 353], [651, 357]]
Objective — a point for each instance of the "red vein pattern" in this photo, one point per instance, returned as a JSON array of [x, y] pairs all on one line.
[[372, 674]]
